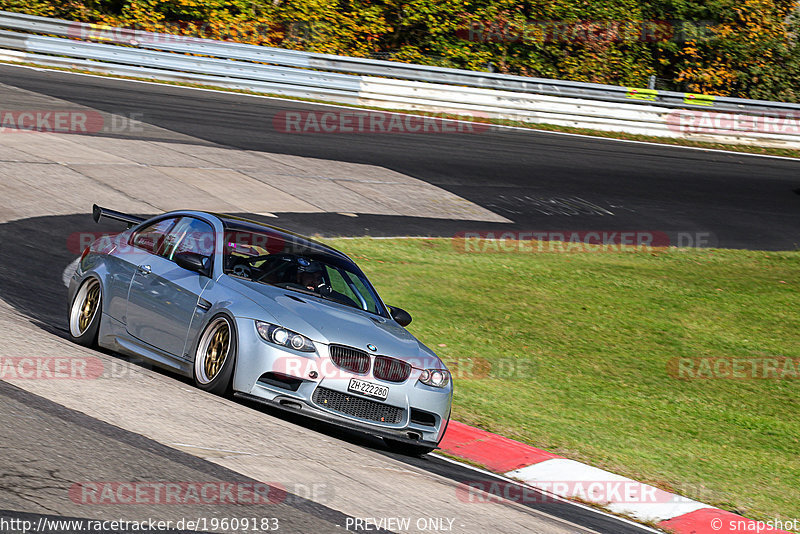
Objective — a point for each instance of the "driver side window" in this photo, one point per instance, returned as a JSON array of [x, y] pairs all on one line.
[[189, 235], [153, 236]]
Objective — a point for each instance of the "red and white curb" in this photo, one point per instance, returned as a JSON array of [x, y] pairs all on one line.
[[555, 475]]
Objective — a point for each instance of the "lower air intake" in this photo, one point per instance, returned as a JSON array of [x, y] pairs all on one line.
[[356, 406]]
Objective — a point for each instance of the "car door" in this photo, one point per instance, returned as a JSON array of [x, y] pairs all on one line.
[[163, 297]]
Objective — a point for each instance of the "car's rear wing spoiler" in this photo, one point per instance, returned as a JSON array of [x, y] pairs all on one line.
[[98, 212]]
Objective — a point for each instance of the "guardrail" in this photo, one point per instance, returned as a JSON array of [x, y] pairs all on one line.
[[391, 84], [201, 65], [373, 67]]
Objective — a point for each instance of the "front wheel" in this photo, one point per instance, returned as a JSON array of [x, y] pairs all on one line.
[[215, 356], [85, 312]]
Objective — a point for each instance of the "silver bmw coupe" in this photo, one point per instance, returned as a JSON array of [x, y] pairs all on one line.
[[263, 313]]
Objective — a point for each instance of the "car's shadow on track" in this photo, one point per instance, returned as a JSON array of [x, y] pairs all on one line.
[[33, 255]]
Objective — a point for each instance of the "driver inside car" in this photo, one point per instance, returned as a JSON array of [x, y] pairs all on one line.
[[310, 276]]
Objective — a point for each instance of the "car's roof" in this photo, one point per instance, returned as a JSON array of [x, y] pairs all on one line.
[[232, 221]]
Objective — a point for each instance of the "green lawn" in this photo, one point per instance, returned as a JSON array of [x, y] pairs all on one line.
[[570, 352]]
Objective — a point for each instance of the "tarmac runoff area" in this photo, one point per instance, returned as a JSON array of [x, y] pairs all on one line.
[[138, 168]]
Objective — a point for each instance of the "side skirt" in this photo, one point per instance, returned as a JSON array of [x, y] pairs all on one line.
[[113, 336]]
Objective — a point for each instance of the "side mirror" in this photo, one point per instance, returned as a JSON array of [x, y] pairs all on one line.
[[192, 261], [402, 317]]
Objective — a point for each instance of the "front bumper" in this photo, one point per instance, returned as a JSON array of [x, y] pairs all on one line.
[[416, 414], [307, 410]]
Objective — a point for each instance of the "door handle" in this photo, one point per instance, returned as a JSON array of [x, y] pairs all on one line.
[[144, 269]]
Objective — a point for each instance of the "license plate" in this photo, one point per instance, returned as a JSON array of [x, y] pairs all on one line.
[[368, 388]]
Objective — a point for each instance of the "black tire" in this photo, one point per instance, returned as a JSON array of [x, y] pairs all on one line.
[[85, 312], [407, 449], [211, 374]]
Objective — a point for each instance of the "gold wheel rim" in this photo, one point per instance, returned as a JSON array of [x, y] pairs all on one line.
[[89, 307], [217, 351]]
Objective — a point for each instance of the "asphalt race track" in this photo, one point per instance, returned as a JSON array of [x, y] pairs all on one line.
[[742, 201], [146, 424]]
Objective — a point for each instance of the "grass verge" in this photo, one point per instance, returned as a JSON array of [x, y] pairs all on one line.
[[746, 149], [572, 352]]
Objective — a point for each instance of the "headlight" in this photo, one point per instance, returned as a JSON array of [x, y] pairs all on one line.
[[285, 338], [437, 378]]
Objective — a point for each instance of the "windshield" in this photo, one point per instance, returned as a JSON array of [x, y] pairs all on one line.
[[295, 264]]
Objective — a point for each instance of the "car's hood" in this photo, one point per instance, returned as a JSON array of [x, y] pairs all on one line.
[[329, 322]]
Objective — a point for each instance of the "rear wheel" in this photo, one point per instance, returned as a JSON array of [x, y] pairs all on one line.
[[85, 312], [215, 356]]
